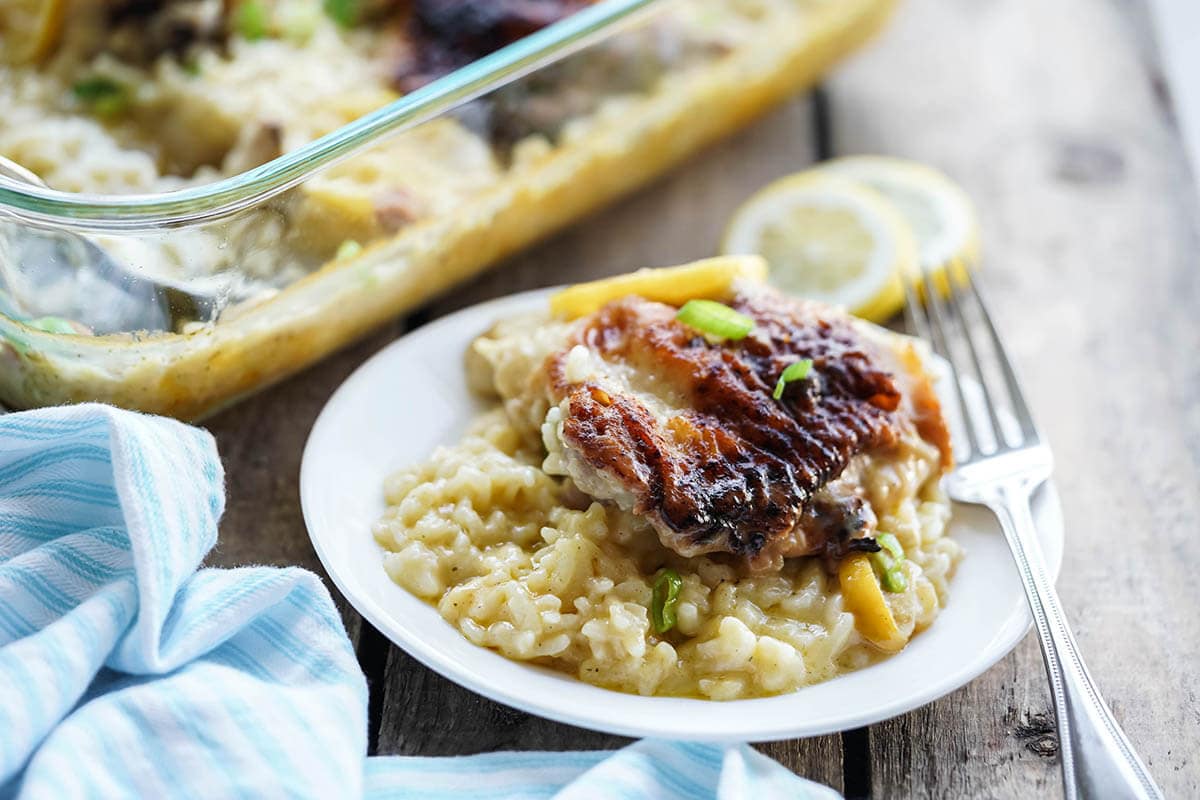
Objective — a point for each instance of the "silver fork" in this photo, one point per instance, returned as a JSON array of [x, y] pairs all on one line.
[[1001, 470]]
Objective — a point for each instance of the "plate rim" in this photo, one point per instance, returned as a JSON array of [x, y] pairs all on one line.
[[434, 659]]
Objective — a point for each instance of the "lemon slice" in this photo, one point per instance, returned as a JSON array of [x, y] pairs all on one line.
[[710, 278], [937, 209], [864, 599], [830, 239], [29, 29]]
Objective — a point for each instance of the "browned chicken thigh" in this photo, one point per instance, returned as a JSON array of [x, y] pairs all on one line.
[[685, 431]]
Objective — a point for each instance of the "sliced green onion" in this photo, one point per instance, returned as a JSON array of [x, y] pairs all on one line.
[[343, 12], [53, 325], [102, 95], [894, 580], [665, 599], [794, 372], [889, 542], [348, 249], [96, 87], [715, 319], [890, 563], [252, 20]]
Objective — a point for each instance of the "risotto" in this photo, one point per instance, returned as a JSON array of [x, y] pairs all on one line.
[[520, 560], [134, 96], [128, 96]]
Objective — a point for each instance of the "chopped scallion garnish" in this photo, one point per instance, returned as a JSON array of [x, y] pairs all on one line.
[[794, 372], [252, 20], [894, 580], [665, 599], [344, 12], [890, 563], [889, 542], [53, 325], [102, 95], [715, 319]]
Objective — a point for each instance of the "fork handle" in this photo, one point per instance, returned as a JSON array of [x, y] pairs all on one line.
[[1097, 759]]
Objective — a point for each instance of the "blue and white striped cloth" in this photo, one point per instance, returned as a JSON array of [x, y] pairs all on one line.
[[127, 672]]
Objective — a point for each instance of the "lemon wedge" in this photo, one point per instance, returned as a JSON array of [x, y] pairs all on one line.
[[830, 239], [937, 209], [710, 278], [29, 29], [864, 599]]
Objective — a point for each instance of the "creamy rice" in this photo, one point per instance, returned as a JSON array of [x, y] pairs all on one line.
[[740, 56], [217, 109], [521, 562]]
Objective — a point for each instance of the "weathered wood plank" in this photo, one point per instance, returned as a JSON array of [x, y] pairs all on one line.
[[1054, 117], [818, 758], [425, 714]]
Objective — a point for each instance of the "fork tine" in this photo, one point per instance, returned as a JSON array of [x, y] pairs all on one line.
[[941, 345], [1016, 397], [976, 363], [914, 315]]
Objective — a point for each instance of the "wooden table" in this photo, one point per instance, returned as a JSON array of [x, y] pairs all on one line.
[[1056, 119]]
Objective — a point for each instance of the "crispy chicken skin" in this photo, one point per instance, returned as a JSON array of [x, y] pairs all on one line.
[[647, 413]]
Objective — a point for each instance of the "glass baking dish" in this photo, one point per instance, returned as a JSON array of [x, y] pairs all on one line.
[[180, 300]]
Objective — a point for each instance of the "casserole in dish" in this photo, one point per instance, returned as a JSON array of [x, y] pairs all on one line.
[[210, 151]]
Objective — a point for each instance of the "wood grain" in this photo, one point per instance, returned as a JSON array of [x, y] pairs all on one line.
[[425, 714], [1054, 118]]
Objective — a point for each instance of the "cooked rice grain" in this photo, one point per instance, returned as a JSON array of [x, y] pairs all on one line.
[[523, 564]]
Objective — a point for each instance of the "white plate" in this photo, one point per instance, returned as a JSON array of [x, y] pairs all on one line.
[[412, 396]]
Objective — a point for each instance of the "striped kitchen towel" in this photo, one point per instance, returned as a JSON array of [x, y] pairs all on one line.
[[126, 671]]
